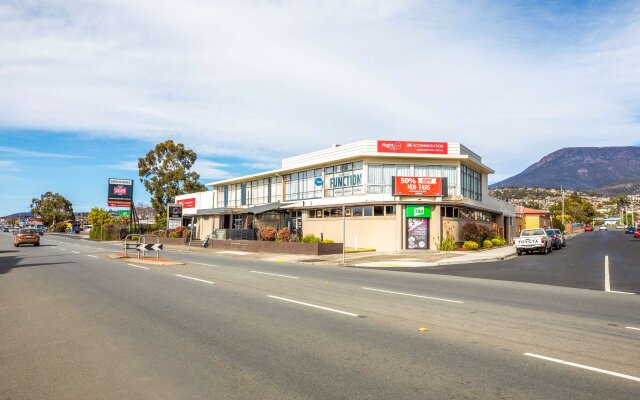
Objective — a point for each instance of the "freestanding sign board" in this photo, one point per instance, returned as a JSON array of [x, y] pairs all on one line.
[[120, 192], [419, 186], [174, 215], [417, 233]]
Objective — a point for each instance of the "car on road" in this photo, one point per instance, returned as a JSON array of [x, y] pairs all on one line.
[[40, 231], [533, 240], [556, 242], [630, 229], [563, 240], [588, 228], [636, 234], [602, 228], [5, 229], [27, 236]]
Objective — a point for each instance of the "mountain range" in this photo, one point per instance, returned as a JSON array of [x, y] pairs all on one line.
[[607, 170]]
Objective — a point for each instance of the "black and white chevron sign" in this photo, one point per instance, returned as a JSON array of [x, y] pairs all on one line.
[[149, 247]]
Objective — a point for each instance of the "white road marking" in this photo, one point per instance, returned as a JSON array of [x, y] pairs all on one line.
[[602, 371], [75, 252], [414, 295], [62, 249], [90, 255], [631, 327], [208, 265], [195, 279], [607, 283], [138, 266], [617, 291], [267, 273], [314, 306], [100, 249]]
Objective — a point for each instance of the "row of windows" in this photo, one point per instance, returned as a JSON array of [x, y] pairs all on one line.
[[465, 213], [302, 185], [343, 180], [471, 183], [358, 211], [380, 175], [256, 192]]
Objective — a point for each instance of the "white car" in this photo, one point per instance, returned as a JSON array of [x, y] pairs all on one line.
[[602, 228]]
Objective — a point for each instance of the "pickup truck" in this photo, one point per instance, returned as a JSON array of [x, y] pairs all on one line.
[[533, 240]]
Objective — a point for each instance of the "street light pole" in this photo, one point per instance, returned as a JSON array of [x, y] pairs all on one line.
[[562, 190], [344, 232]]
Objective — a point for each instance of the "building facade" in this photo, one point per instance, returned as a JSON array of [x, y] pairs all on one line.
[[387, 195]]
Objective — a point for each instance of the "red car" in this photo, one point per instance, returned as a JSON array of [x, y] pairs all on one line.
[[636, 233], [588, 228]]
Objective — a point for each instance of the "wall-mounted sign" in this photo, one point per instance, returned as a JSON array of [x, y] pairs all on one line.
[[418, 186], [417, 233], [318, 181], [120, 192], [418, 211], [174, 210], [394, 146], [187, 203], [345, 181]]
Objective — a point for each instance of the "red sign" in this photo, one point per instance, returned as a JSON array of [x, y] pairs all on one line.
[[393, 146], [187, 203], [119, 204], [417, 186]]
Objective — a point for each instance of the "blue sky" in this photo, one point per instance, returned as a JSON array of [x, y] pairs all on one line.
[[87, 87]]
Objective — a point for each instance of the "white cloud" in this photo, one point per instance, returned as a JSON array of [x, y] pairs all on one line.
[[262, 80], [17, 152], [125, 166], [211, 170]]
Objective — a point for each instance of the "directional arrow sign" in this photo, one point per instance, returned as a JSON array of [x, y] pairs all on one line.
[[149, 247]]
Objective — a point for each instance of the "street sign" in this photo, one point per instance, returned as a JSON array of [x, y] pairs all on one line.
[[120, 192], [124, 213], [149, 247]]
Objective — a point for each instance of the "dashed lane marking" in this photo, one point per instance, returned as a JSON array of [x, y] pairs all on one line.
[[315, 306], [267, 273], [138, 266], [582, 366], [414, 295], [194, 279]]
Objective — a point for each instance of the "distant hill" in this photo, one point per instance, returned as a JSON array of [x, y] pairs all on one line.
[[16, 215], [598, 169]]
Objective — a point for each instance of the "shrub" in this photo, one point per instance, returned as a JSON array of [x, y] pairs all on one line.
[[173, 234], [180, 231], [284, 235], [470, 245], [487, 244], [268, 233], [448, 244], [503, 242], [310, 238], [60, 227], [496, 242], [328, 241], [471, 232]]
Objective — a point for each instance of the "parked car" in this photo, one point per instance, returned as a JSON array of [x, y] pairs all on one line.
[[533, 240], [588, 228], [556, 242], [636, 234], [630, 229], [40, 231], [602, 228], [563, 240], [5, 229], [27, 236]]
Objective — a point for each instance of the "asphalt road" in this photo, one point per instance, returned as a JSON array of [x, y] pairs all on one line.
[[78, 325], [581, 264]]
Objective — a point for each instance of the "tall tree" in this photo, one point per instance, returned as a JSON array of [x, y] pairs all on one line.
[[51, 207], [165, 173]]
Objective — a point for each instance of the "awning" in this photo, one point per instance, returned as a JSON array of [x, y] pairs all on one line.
[[264, 208], [219, 211]]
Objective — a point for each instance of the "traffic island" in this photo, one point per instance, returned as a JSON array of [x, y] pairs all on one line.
[[144, 260]]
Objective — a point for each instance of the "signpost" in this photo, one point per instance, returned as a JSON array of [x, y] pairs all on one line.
[[120, 194]]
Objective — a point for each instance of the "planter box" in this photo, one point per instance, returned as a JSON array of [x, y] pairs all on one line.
[[312, 249]]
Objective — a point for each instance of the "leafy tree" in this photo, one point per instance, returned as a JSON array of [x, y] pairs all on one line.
[[99, 216], [51, 207], [165, 173]]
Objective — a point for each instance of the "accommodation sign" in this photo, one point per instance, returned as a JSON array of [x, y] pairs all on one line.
[[419, 186], [395, 146]]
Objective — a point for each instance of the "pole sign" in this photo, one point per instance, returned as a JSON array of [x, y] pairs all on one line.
[[174, 215], [419, 186], [120, 192], [395, 146]]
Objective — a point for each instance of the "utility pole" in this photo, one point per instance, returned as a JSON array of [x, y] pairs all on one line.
[[562, 190], [344, 232]]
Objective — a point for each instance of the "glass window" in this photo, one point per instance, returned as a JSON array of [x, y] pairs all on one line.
[[367, 211], [347, 212], [312, 213], [318, 213], [326, 213], [378, 211], [390, 210], [345, 180], [357, 211], [471, 183]]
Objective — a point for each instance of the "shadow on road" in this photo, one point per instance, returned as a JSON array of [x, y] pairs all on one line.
[[10, 262]]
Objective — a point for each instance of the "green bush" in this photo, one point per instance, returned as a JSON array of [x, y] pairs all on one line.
[[470, 245], [448, 244], [61, 227], [487, 244], [497, 242], [328, 241], [503, 242], [310, 238]]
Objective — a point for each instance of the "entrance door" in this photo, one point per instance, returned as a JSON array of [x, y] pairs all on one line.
[[417, 233]]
